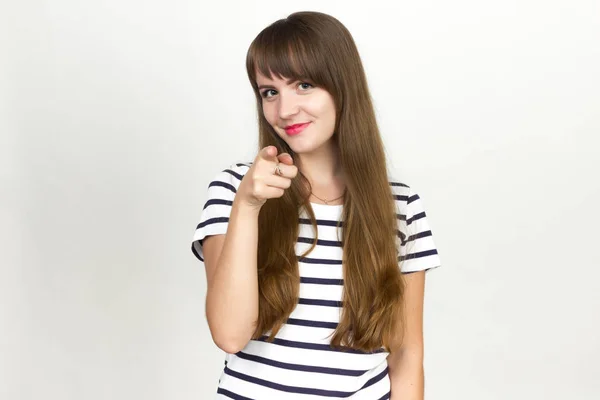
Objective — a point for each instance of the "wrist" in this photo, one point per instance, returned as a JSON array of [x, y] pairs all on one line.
[[242, 207]]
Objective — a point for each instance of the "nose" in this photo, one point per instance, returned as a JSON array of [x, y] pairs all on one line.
[[288, 106]]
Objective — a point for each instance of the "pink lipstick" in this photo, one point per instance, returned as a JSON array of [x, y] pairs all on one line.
[[295, 129]]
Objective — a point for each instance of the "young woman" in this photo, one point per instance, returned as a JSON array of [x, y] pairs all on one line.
[[315, 258]]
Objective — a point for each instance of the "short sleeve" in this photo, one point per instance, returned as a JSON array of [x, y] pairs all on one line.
[[417, 251], [214, 218]]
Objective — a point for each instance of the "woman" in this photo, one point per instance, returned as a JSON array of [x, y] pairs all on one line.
[[315, 258]]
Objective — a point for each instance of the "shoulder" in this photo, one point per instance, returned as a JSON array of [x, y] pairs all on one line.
[[225, 182], [230, 175], [402, 192], [237, 170]]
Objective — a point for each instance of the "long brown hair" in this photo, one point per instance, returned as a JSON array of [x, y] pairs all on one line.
[[315, 47]]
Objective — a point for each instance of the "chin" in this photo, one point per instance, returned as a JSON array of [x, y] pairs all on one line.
[[304, 149]]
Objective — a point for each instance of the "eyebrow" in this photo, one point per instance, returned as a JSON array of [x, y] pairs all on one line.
[[288, 82]]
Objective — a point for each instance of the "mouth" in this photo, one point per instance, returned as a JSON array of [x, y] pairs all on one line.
[[296, 128]]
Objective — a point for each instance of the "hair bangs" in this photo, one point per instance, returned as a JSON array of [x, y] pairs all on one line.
[[283, 51]]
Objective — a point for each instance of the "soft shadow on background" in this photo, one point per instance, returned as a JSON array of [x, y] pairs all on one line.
[[114, 116]]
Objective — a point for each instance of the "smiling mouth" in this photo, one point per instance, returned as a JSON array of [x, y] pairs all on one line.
[[296, 128], [295, 125]]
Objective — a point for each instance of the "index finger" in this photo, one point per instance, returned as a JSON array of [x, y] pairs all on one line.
[[268, 153]]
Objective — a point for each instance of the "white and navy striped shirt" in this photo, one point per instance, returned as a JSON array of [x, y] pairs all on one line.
[[299, 364]]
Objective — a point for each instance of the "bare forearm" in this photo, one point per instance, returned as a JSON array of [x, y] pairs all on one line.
[[406, 375], [232, 298]]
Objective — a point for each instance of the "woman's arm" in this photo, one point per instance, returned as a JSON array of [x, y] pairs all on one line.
[[232, 278], [406, 362], [232, 282]]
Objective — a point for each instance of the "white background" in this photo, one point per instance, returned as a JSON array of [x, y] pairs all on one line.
[[116, 114]]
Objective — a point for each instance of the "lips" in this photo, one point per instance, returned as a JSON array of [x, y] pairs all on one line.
[[296, 128]]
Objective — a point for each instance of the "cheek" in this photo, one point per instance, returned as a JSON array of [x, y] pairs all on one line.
[[324, 107], [327, 113], [268, 114]]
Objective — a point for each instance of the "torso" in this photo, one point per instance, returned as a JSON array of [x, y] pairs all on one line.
[[300, 363]]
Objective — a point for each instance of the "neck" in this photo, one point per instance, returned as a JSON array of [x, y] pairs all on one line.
[[324, 173], [322, 167]]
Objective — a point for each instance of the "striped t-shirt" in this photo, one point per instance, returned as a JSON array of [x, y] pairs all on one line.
[[299, 364]]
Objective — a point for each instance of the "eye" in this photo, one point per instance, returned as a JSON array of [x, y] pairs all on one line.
[[265, 93]]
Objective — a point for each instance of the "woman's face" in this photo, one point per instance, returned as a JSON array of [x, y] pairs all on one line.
[[301, 114]]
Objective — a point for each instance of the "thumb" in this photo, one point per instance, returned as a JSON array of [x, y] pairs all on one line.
[[269, 153], [285, 158]]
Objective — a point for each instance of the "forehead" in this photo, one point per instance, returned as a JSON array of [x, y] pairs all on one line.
[[275, 79]]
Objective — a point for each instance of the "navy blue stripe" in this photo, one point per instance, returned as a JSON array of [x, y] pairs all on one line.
[[419, 254], [318, 302], [309, 260], [400, 197], [402, 236], [415, 217], [321, 281], [413, 198], [315, 346], [398, 184], [223, 184], [385, 396], [299, 367], [313, 324], [404, 240], [210, 221], [232, 395], [238, 176], [320, 242], [322, 222], [218, 201], [296, 389], [376, 378], [419, 236]]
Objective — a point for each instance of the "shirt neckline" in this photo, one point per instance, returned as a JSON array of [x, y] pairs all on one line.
[[326, 206]]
